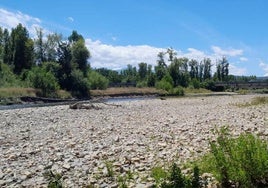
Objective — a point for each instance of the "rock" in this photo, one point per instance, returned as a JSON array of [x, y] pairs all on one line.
[[116, 139], [67, 166], [162, 144]]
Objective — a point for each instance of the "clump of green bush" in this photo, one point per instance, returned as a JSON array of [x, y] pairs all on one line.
[[175, 178], [239, 162]]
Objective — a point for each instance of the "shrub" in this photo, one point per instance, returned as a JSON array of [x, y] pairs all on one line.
[[7, 77], [195, 83], [78, 84], [97, 81], [241, 161], [141, 84], [164, 85], [178, 91], [175, 178], [44, 80]]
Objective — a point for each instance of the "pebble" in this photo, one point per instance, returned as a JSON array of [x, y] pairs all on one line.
[[133, 138]]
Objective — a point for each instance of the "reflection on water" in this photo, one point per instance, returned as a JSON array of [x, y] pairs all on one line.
[[109, 100]]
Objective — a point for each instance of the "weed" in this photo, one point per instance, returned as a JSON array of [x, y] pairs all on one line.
[[54, 179], [109, 166], [241, 161]]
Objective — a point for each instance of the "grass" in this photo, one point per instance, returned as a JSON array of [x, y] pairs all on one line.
[[126, 91], [17, 92], [260, 100], [192, 90]]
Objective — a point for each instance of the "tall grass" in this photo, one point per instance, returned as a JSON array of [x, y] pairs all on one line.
[[17, 92]]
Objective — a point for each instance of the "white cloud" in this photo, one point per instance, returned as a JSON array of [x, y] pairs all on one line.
[[229, 52], [10, 20], [234, 70], [71, 19], [117, 57], [243, 59], [264, 67]]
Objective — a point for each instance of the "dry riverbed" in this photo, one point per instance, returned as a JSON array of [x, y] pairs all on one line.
[[134, 137]]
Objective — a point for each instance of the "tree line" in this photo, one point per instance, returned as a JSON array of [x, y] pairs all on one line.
[[52, 62]]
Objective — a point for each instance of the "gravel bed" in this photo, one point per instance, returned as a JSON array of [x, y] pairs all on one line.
[[82, 144]]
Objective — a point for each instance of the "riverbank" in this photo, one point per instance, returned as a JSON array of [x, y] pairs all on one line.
[[132, 137]]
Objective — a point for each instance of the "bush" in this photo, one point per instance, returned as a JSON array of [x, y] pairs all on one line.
[[79, 85], [7, 77], [44, 80], [195, 83], [174, 178], [97, 81], [141, 84], [164, 85], [178, 91], [241, 161]]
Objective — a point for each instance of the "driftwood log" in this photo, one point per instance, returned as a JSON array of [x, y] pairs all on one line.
[[90, 105]]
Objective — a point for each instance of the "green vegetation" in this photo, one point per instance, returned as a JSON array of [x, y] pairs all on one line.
[[174, 178], [51, 63], [241, 161], [255, 101], [234, 162], [54, 179]]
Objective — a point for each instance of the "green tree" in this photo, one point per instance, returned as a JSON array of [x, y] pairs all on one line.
[[97, 81], [161, 68], [178, 70], [193, 69], [222, 69], [52, 45], [207, 69], [74, 37], [80, 55], [79, 85], [39, 46], [22, 49], [44, 80], [142, 71]]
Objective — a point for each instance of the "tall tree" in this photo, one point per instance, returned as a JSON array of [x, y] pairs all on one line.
[[171, 54], [39, 46], [161, 68], [193, 69], [142, 70], [222, 69], [74, 37], [80, 55], [51, 46], [7, 51], [22, 47], [207, 69]]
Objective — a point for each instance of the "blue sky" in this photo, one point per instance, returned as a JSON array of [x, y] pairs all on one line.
[[122, 32]]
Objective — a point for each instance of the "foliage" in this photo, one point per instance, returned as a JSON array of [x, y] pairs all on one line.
[[54, 179], [97, 81], [241, 161], [7, 77], [178, 91], [79, 86], [109, 166], [195, 83], [44, 80], [163, 84], [175, 179], [159, 174]]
